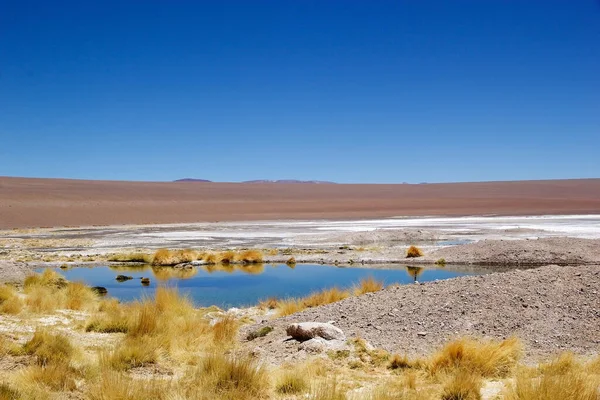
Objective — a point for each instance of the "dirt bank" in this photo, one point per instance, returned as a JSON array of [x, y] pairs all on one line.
[[550, 308], [14, 272]]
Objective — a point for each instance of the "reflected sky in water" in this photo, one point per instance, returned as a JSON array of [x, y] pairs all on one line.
[[237, 286]]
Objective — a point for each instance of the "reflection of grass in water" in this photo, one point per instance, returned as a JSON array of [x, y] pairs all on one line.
[[166, 273], [414, 272], [253, 269], [129, 268]]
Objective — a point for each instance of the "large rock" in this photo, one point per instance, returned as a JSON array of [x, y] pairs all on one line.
[[319, 345], [309, 330]]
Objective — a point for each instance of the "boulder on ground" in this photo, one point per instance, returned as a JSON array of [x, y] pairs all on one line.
[[319, 345], [308, 330]]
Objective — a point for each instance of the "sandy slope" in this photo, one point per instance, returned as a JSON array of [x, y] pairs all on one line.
[[57, 202]]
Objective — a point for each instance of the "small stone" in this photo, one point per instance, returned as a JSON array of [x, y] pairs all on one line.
[[421, 334]]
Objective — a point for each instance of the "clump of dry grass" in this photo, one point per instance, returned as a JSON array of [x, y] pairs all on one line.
[[400, 362], [326, 296], [489, 359], [327, 390], [53, 353], [564, 378], [462, 386], [368, 285], [131, 353], [49, 348], [132, 257], [79, 296], [225, 330], [413, 252], [226, 257], [166, 257], [223, 377], [291, 262], [292, 382], [250, 257], [49, 278], [10, 302], [7, 392], [269, 304], [111, 385]]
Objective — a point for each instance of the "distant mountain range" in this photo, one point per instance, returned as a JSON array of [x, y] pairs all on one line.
[[257, 181]]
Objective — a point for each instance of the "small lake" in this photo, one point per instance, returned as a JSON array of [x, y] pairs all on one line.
[[232, 286]]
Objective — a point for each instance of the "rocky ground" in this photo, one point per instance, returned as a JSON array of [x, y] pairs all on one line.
[[551, 309]]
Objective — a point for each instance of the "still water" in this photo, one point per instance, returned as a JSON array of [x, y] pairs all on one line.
[[241, 286]]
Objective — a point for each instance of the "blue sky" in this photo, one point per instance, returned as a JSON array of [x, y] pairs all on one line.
[[348, 91]]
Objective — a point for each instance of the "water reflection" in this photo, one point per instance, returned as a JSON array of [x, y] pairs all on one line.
[[240, 285], [414, 272]]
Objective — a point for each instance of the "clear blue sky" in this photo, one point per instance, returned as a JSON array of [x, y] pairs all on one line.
[[349, 91]]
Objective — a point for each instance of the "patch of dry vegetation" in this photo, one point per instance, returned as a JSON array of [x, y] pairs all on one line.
[[564, 378], [325, 296], [485, 358], [132, 257], [166, 257], [413, 252], [368, 285], [10, 302]]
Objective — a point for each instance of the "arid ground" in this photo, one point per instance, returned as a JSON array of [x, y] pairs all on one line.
[[59, 202], [539, 286]]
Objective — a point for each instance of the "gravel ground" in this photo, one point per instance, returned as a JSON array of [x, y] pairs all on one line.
[[14, 272], [550, 309]]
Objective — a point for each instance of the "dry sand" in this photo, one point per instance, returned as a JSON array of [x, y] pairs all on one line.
[[28, 202]]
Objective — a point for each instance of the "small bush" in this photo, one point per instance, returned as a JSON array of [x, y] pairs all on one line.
[[368, 285], [441, 262], [264, 331], [413, 252]]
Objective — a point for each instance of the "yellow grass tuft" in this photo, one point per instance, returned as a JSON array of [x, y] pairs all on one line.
[[131, 353], [49, 278], [564, 378], [292, 382], [325, 296], [328, 390], [10, 302], [489, 359], [368, 285], [226, 257], [58, 377], [269, 304], [222, 377], [462, 386], [79, 297], [225, 330], [289, 307], [49, 348], [413, 252], [112, 385], [166, 257], [250, 257], [131, 257]]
